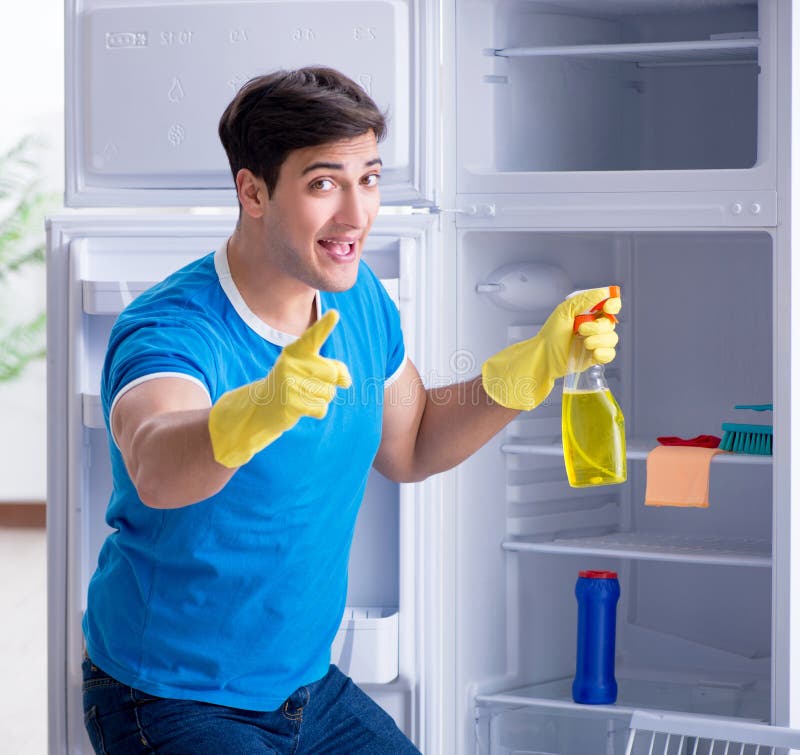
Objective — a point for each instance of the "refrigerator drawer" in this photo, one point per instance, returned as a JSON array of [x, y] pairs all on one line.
[[667, 734], [556, 732], [603, 730]]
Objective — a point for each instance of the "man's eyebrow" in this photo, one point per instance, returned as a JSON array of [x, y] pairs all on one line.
[[337, 166]]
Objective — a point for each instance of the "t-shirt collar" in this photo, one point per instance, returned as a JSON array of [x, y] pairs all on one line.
[[255, 323]]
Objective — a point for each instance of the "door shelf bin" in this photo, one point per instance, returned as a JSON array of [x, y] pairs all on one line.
[[366, 645], [92, 411], [111, 297]]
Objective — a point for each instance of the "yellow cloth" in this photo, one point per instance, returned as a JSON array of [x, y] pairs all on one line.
[[678, 476]]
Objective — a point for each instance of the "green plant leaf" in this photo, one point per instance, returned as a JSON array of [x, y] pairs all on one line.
[[21, 345], [23, 206], [22, 233]]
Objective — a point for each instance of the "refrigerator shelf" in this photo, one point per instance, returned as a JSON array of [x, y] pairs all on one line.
[[648, 53], [654, 547], [637, 449], [650, 689]]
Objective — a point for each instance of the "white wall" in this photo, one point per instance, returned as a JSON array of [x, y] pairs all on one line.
[[31, 101]]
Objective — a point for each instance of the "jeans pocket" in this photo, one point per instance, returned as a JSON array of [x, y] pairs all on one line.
[[142, 697], [101, 681], [92, 724]]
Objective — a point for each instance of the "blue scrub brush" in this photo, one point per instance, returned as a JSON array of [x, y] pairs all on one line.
[[748, 439]]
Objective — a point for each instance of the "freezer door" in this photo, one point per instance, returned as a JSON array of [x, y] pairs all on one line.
[[147, 83]]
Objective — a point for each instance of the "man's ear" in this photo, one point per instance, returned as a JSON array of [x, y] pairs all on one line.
[[252, 193]]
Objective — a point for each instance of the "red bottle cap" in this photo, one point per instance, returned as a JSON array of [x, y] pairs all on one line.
[[590, 574]]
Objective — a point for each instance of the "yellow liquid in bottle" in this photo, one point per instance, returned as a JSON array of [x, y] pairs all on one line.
[[593, 433]]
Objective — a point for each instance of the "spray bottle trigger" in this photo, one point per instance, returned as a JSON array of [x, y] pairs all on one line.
[[596, 312]]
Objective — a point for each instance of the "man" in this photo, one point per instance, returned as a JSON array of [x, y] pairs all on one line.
[[237, 477]]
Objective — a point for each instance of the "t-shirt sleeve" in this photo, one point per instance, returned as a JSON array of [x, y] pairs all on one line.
[[145, 349], [396, 357]]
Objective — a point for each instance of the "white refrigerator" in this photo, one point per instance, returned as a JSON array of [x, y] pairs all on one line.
[[533, 147]]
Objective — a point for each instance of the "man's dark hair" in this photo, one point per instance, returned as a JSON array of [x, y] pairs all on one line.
[[274, 114]]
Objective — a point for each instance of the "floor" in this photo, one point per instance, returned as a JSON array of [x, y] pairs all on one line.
[[23, 634]]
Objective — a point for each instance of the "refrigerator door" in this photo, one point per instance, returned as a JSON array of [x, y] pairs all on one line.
[[97, 264], [146, 84]]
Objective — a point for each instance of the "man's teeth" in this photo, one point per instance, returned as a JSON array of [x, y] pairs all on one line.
[[337, 247]]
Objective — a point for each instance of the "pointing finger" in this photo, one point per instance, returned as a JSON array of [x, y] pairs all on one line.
[[316, 335]]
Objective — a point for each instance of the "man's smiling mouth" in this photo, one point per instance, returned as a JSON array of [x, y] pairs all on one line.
[[338, 247]]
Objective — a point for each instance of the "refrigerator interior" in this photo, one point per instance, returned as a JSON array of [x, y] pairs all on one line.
[[107, 268], [694, 619], [609, 87]]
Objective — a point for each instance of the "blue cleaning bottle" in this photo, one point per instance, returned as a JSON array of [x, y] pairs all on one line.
[[597, 593]]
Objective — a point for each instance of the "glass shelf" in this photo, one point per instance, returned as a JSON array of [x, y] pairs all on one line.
[[736, 50], [651, 689], [637, 449], [656, 547]]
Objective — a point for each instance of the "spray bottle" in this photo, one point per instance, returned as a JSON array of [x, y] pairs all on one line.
[[592, 425]]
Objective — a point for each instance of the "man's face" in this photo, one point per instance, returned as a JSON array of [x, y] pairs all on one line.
[[322, 209]]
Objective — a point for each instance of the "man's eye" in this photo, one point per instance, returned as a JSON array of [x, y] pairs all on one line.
[[322, 184], [372, 179]]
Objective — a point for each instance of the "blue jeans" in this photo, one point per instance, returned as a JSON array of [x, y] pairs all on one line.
[[331, 715]]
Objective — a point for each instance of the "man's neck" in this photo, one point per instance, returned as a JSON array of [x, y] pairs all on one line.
[[283, 303]]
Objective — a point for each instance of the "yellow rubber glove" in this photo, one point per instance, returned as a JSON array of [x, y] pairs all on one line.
[[522, 375], [301, 383]]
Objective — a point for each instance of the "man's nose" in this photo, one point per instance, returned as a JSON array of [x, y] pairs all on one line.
[[354, 209]]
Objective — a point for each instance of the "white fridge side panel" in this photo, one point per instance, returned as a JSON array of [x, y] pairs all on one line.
[[57, 481], [787, 311]]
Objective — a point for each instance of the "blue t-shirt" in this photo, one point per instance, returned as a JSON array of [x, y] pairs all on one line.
[[235, 600]]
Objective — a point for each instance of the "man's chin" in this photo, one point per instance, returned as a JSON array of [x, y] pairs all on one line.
[[343, 281], [337, 287]]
